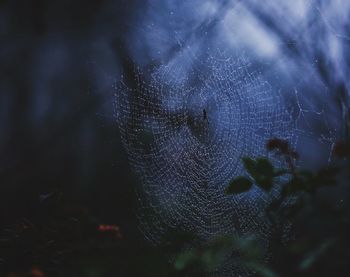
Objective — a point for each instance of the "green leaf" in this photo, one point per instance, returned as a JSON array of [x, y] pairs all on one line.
[[264, 183], [238, 185], [261, 170], [261, 269], [264, 173], [264, 167], [211, 259], [250, 165], [314, 256], [184, 260]]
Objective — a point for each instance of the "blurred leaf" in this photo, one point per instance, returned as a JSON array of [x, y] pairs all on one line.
[[207, 257], [211, 258], [264, 167], [261, 170], [250, 248], [278, 144], [313, 257], [239, 185], [250, 165], [184, 259], [261, 269]]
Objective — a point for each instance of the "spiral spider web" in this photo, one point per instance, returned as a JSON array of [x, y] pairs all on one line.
[[185, 127]]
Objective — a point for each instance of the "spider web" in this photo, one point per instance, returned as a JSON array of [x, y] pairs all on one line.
[[185, 127], [186, 123]]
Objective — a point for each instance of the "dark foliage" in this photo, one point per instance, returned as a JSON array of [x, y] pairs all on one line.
[[321, 222]]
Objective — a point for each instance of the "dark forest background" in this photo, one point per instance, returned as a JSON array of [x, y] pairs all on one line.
[[56, 116], [58, 135]]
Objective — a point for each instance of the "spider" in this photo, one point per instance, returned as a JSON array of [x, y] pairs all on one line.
[[205, 115]]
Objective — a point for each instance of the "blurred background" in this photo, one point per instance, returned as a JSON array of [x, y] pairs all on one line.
[[60, 62]]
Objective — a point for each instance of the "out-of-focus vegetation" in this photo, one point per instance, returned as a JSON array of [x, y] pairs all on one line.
[[320, 221], [64, 239]]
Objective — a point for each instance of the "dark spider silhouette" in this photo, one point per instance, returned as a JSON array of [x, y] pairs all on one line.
[[205, 115]]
